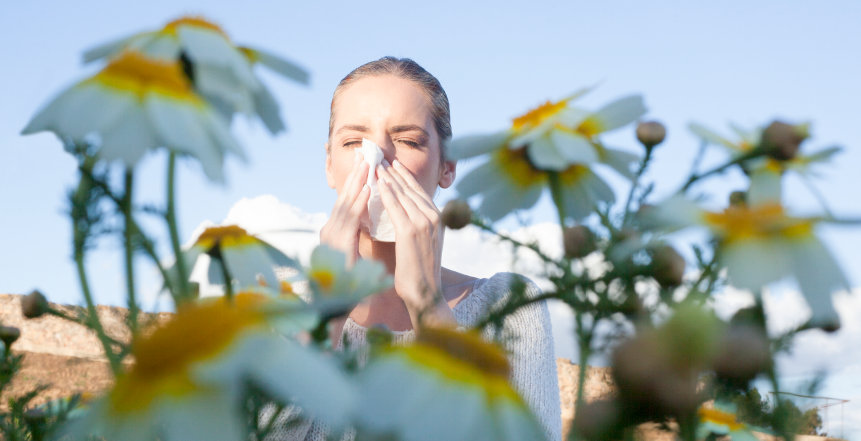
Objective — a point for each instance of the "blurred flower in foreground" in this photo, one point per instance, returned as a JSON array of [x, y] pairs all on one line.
[[722, 420], [760, 244], [554, 137], [244, 256], [780, 143], [447, 385], [190, 377], [335, 287], [220, 70], [136, 104]]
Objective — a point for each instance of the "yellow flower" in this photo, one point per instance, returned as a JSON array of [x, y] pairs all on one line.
[[554, 137], [221, 71], [190, 377], [761, 244], [137, 104], [447, 385]]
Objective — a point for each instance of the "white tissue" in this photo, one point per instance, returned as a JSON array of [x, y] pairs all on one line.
[[376, 221]]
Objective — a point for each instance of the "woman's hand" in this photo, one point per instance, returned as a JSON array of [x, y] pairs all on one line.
[[341, 231], [418, 248]]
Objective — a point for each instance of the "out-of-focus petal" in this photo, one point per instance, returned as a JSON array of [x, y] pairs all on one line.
[[765, 187], [752, 264], [544, 155], [620, 112], [475, 145], [818, 276], [281, 65], [268, 111], [573, 147], [129, 138], [711, 137]]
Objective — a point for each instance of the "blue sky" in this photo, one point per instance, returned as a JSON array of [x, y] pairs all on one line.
[[713, 62]]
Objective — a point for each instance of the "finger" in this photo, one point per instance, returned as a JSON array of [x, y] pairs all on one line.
[[358, 208], [415, 192], [352, 187], [396, 212], [410, 180], [416, 215]]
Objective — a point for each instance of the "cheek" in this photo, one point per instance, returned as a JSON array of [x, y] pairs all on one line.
[[342, 165]]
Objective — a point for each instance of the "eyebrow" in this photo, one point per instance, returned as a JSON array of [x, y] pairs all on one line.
[[408, 128], [355, 127]]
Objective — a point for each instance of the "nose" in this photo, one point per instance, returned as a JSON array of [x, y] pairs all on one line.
[[386, 145]]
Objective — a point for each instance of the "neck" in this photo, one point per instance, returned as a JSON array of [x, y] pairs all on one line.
[[383, 252]]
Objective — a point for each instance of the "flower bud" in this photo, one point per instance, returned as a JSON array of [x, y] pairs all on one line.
[[745, 352], [456, 214], [781, 140], [651, 133], [578, 241], [667, 267], [34, 305], [598, 420], [738, 199], [9, 334]]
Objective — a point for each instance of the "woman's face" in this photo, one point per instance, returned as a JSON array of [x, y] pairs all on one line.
[[396, 115]]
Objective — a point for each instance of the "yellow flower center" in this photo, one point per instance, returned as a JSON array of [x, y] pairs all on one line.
[[515, 165], [538, 115], [590, 127], [139, 74], [323, 277], [720, 418], [463, 358], [739, 223], [197, 333], [226, 236], [199, 22]]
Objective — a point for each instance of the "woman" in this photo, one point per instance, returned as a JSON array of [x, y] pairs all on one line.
[[403, 109]]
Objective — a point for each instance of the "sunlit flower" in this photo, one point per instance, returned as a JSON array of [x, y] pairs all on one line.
[[190, 377], [722, 420], [555, 137], [447, 385], [245, 258], [136, 104], [335, 287], [765, 172], [221, 71], [760, 244]]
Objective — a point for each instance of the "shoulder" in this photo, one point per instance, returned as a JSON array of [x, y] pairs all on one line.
[[502, 286]]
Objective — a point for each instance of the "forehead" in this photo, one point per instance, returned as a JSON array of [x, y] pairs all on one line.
[[383, 99]]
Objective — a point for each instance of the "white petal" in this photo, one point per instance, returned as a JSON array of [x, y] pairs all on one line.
[[752, 264], [290, 371], [203, 417], [157, 45], [107, 49], [765, 187], [479, 179], [711, 137], [573, 116], [245, 262], [474, 145], [543, 154], [220, 134], [81, 110], [183, 129], [129, 138], [48, 117], [620, 112], [516, 422], [329, 258], [580, 198], [506, 197], [574, 148], [217, 81], [207, 47], [620, 161], [267, 109], [387, 388], [282, 66], [530, 135], [677, 212], [818, 276], [751, 137]]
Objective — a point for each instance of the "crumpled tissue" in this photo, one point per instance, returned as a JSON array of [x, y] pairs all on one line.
[[376, 221]]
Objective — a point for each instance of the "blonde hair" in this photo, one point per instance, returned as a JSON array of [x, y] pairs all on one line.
[[409, 70]]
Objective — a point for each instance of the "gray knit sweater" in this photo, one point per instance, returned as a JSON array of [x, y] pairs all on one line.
[[526, 337]]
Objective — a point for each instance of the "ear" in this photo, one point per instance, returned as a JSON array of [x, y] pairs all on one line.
[[330, 176], [447, 174]]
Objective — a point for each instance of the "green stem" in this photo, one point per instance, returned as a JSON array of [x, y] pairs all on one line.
[[584, 339], [181, 294], [128, 233], [228, 280], [634, 184], [754, 153], [556, 193], [93, 321]]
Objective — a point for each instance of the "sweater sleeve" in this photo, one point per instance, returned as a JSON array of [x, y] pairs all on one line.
[[527, 337]]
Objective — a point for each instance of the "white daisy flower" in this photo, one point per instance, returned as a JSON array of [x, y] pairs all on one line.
[[447, 385], [335, 287], [248, 259], [765, 172], [554, 137], [220, 70], [190, 377], [760, 244], [136, 104]]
